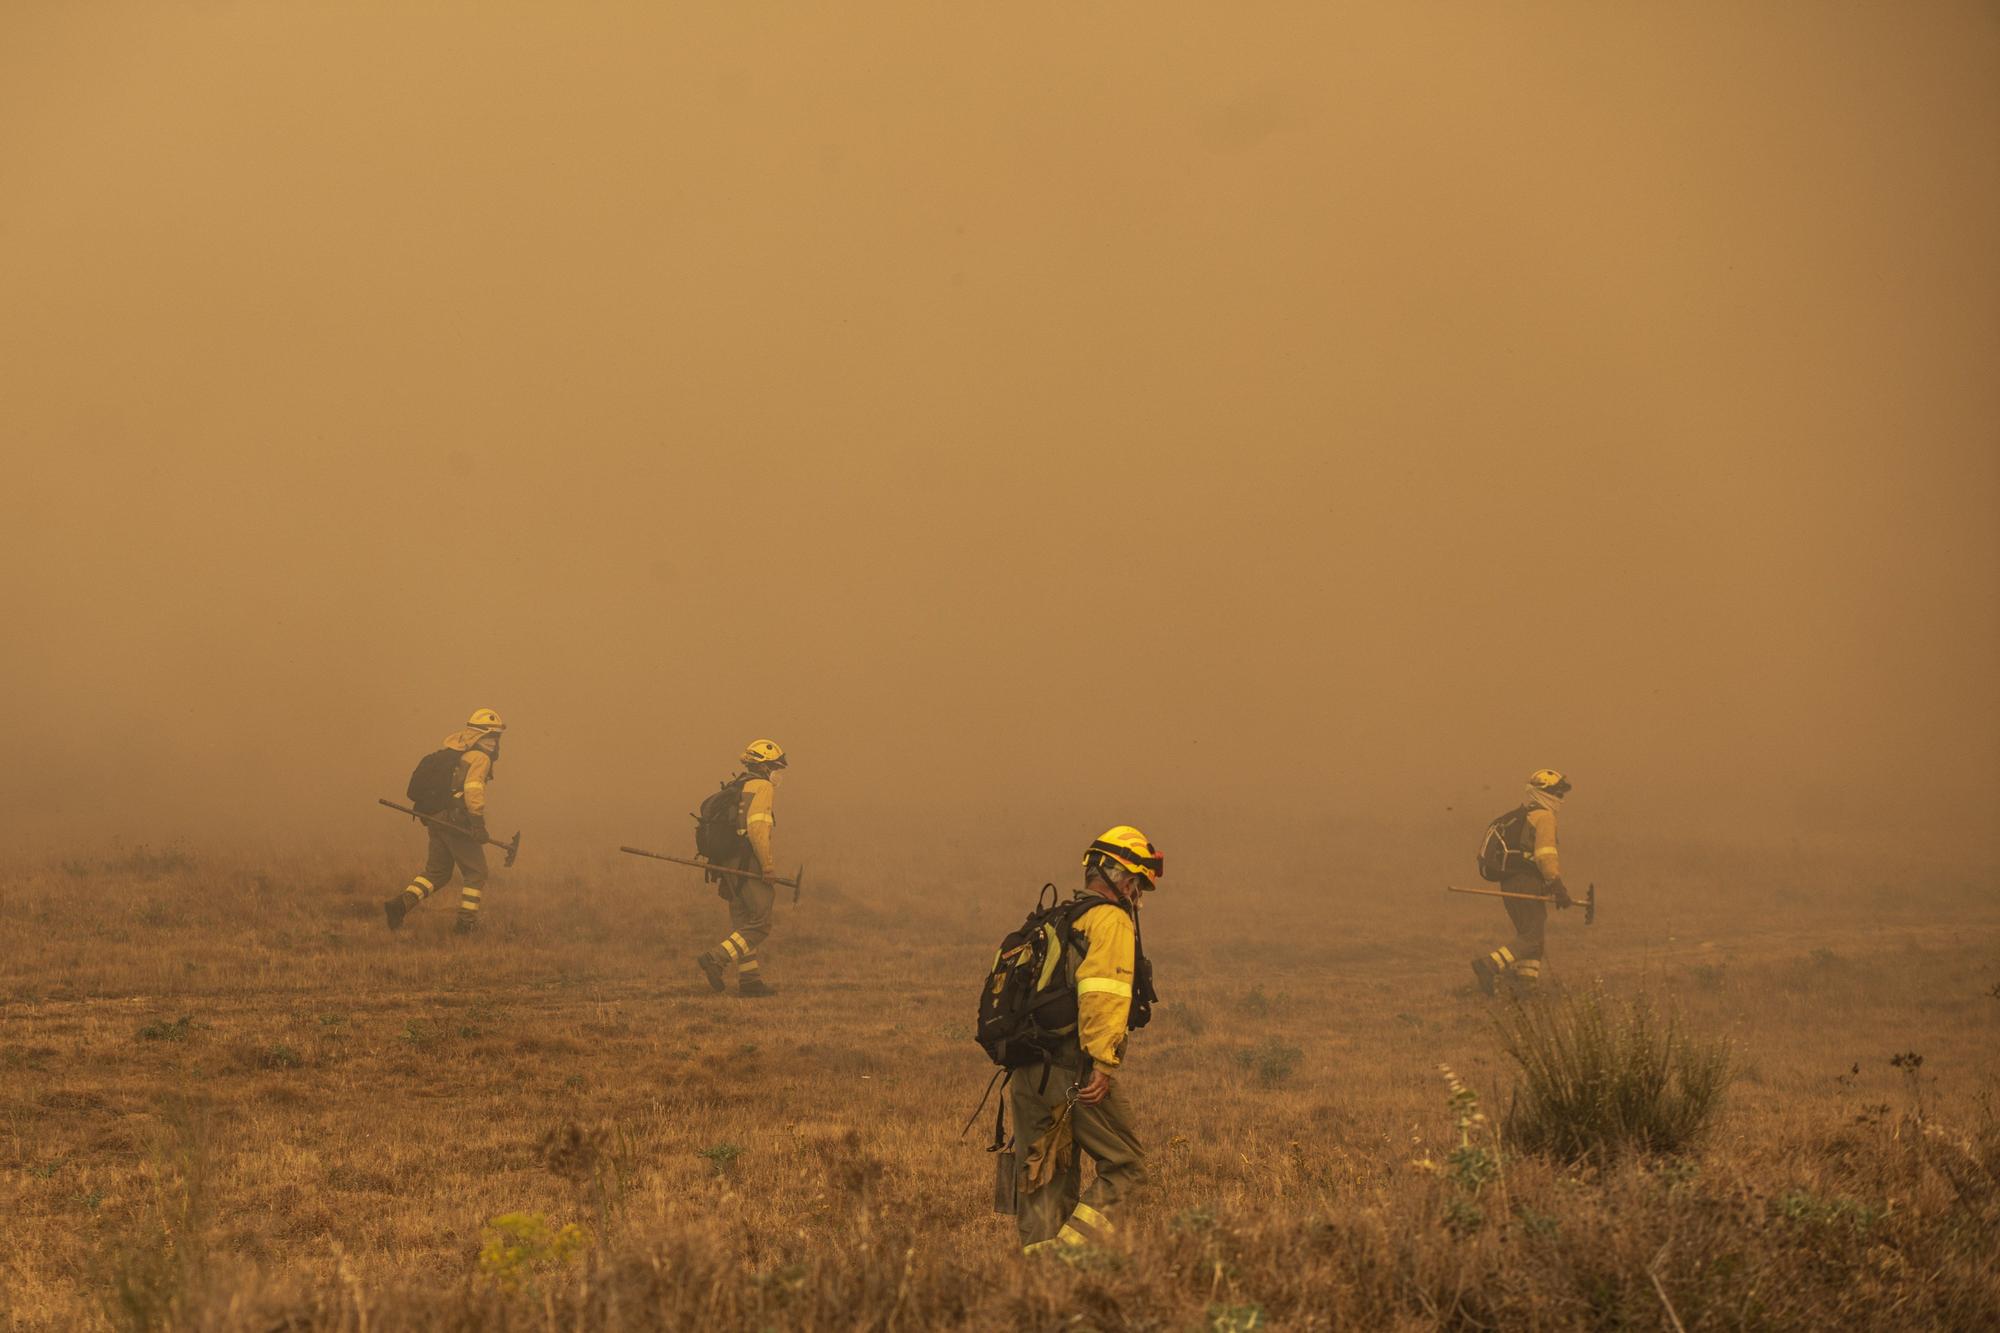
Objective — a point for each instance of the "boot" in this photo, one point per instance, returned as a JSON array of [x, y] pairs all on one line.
[[711, 967], [754, 988], [1485, 973], [467, 923], [396, 908]]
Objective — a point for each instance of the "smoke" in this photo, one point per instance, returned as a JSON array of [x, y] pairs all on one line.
[[1283, 418]]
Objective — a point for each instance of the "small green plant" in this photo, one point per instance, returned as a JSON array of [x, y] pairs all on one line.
[[1272, 1062], [1472, 1164], [279, 1056], [1236, 1318], [720, 1156], [421, 1034], [1599, 1078], [519, 1246], [1256, 1002], [1803, 1209], [161, 1030]]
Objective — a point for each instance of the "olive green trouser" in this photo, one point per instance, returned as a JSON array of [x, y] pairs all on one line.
[[1061, 1210], [1523, 957], [452, 848], [749, 919]]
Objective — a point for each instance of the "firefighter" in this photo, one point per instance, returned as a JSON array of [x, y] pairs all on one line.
[[1539, 874], [1074, 1100], [749, 900], [451, 783]]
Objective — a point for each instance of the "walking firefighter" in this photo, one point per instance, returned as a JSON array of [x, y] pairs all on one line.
[[1064, 992], [448, 792], [1520, 855], [734, 829]]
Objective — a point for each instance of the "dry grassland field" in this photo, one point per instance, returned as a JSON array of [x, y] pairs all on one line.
[[233, 1100]]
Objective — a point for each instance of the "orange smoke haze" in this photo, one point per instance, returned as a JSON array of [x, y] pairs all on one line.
[[1021, 412]]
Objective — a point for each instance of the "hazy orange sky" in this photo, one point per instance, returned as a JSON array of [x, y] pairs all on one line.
[[1130, 409]]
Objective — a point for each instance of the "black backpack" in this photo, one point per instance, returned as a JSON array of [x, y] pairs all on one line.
[[430, 788], [717, 835], [1027, 1003], [1509, 845]]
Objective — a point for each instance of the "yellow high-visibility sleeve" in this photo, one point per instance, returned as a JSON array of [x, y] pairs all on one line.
[[758, 821], [1543, 822], [1104, 983], [472, 771]]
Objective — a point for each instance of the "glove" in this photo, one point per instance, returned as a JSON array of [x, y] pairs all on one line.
[[1563, 901], [476, 824]]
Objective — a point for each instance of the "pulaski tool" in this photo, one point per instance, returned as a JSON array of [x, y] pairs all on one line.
[[794, 883], [511, 848], [1589, 898]]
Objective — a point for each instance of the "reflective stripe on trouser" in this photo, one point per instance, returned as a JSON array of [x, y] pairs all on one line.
[[1060, 1211], [420, 888], [468, 899], [1530, 969], [451, 850], [750, 915]]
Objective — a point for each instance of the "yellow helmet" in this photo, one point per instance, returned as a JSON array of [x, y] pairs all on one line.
[[485, 719], [766, 752], [1127, 847], [1550, 781]]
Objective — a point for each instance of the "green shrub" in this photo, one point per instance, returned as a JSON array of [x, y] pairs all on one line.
[[518, 1246], [1601, 1077]]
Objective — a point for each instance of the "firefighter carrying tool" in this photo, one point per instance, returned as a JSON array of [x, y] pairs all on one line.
[[448, 792], [1519, 853], [732, 834]]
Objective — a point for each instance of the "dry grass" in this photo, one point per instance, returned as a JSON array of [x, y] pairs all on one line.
[[233, 1101]]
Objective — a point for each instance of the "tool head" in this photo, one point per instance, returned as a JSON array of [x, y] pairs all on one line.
[[513, 849]]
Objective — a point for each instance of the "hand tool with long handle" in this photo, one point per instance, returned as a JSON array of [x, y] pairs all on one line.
[[511, 848], [1589, 898], [795, 883]]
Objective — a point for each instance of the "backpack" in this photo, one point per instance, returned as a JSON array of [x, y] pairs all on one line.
[[430, 788], [717, 835], [1509, 845], [1027, 1003]]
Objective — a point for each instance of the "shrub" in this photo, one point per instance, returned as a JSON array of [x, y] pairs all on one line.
[[518, 1246], [1601, 1077], [1273, 1062], [720, 1156], [162, 1030]]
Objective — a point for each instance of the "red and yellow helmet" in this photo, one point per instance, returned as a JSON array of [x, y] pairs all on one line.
[[1128, 849]]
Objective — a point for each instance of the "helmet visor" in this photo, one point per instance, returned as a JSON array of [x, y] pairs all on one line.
[[1150, 864]]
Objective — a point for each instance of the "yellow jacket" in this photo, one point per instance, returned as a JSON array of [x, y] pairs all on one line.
[[1104, 982], [468, 780], [1543, 823], [755, 820]]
